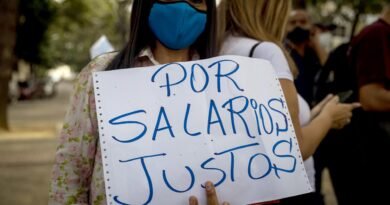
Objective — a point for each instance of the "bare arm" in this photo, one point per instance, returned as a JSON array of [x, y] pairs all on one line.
[[291, 96], [374, 97], [76, 151], [310, 136], [315, 132], [332, 114]]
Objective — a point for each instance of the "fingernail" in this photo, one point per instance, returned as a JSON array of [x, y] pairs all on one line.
[[192, 200], [225, 203], [209, 186]]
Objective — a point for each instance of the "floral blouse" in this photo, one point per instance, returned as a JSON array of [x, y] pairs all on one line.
[[77, 177]]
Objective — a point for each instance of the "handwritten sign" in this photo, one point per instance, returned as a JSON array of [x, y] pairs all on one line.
[[167, 129]]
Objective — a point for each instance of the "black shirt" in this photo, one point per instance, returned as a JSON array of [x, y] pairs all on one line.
[[308, 66]]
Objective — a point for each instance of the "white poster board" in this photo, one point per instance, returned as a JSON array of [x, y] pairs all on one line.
[[167, 129]]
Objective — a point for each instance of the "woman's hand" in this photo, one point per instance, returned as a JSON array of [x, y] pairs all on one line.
[[339, 113], [318, 108], [211, 194]]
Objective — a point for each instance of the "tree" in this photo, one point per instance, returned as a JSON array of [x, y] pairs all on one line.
[[123, 19], [35, 18], [23, 26], [8, 22], [358, 8], [77, 25]]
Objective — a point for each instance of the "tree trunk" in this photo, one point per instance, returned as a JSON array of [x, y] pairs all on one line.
[[8, 22]]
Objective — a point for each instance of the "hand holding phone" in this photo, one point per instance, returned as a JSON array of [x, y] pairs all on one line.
[[344, 96]]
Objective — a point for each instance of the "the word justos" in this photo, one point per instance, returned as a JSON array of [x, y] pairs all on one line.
[[245, 117]]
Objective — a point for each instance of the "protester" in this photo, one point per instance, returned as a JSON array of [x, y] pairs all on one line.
[[351, 153], [370, 56], [262, 38], [255, 29], [336, 151], [154, 39], [243, 29], [303, 42]]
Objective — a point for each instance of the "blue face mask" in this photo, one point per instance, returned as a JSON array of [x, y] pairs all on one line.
[[177, 25]]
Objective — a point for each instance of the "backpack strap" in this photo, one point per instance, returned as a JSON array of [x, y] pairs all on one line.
[[253, 49]]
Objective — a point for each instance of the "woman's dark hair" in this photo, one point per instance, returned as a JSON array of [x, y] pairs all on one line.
[[141, 36]]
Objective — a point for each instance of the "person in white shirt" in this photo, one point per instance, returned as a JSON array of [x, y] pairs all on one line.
[[256, 29]]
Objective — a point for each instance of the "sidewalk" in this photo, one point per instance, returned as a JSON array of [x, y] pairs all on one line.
[[23, 135], [25, 170], [27, 151]]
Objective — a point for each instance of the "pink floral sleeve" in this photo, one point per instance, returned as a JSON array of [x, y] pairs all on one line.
[[78, 144]]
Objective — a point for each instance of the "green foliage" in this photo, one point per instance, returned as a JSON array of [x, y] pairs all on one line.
[[368, 6], [34, 20], [77, 25]]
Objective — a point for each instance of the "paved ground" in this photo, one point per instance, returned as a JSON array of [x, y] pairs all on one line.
[[24, 171], [26, 153]]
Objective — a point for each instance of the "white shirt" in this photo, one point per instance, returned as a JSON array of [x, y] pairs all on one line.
[[241, 46], [304, 119]]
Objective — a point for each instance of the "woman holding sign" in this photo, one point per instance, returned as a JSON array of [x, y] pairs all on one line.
[[256, 29], [160, 32]]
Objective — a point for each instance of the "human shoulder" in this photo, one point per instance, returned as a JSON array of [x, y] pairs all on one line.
[[376, 32], [97, 64], [237, 45], [240, 40], [380, 26], [268, 50], [100, 62], [274, 54], [241, 45]]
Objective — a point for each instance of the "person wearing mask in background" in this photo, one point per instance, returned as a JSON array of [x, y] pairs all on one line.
[[303, 43], [256, 28], [158, 35], [370, 57]]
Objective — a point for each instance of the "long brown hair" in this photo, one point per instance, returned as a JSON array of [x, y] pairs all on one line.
[[263, 20]]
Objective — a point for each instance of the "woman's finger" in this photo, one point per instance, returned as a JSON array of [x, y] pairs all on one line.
[[356, 105], [211, 194], [335, 99], [193, 200], [326, 99]]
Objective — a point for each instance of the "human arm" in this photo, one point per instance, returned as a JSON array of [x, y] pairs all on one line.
[[291, 95], [372, 66], [374, 97], [75, 154], [318, 108], [332, 114], [276, 57]]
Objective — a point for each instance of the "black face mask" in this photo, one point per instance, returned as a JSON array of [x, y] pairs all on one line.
[[298, 35]]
